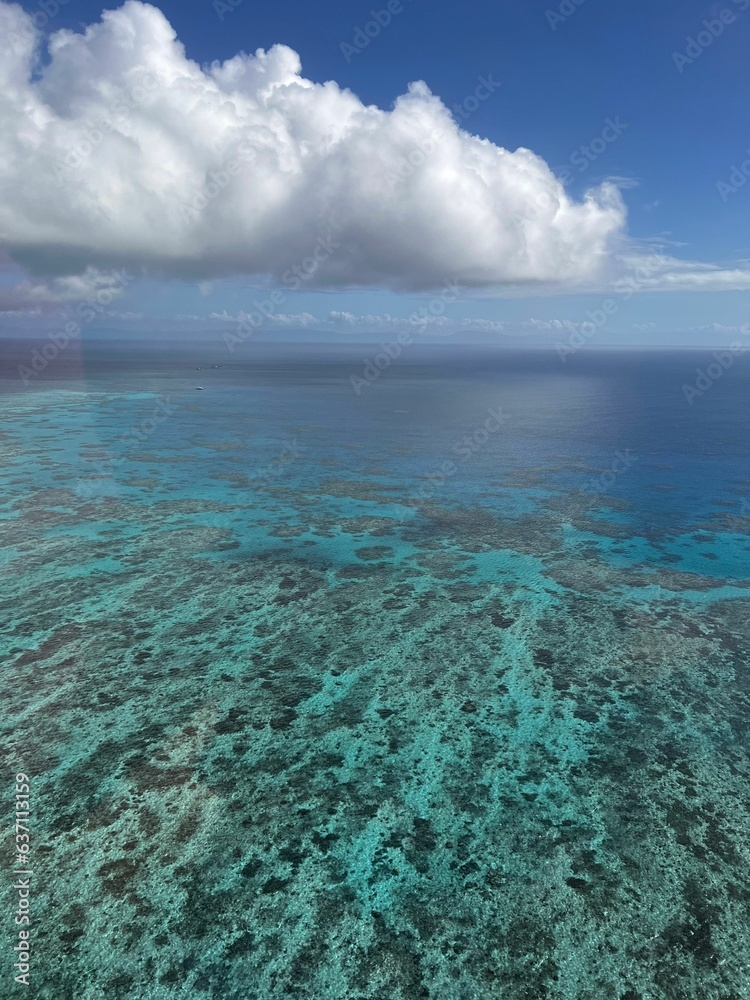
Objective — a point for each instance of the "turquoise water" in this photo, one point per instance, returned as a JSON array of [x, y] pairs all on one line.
[[317, 705]]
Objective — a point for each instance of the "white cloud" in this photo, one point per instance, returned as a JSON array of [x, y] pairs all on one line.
[[127, 316], [119, 152], [338, 321], [655, 271], [109, 149], [721, 330], [285, 321], [37, 297]]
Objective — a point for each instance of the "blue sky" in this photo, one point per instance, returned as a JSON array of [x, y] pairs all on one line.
[[564, 76]]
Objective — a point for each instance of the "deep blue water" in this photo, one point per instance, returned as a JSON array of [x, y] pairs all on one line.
[[436, 690]]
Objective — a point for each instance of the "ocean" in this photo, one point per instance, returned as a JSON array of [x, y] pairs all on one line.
[[424, 680]]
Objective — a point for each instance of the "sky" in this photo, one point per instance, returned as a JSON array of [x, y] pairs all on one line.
[[502, 172]]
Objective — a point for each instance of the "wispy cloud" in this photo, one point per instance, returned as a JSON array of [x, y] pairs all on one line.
[[337, 321], [35, 298]]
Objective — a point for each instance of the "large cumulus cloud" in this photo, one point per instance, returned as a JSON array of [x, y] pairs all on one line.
[[118, 151]]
